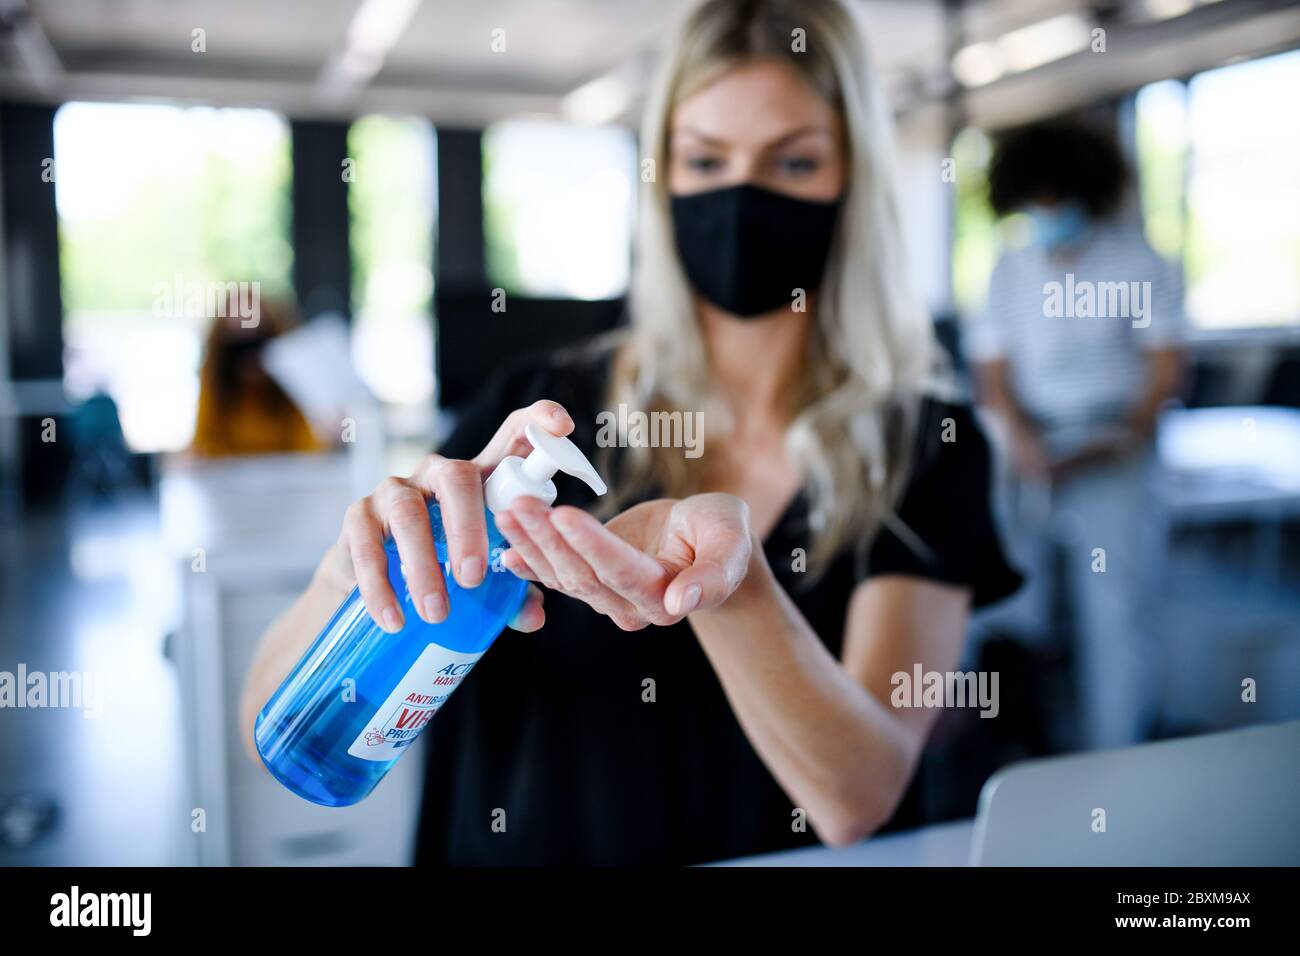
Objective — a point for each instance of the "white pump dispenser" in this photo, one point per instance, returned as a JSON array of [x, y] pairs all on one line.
[[517, 476]]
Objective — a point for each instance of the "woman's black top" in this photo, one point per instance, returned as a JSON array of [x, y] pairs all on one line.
[[552, 753]]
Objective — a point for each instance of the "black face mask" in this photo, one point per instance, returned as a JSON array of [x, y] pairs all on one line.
[[746, 249]]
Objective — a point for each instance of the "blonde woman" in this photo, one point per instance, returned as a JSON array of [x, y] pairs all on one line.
[[711, 674]]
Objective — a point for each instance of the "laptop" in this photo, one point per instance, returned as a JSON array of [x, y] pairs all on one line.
[[1222, 799]]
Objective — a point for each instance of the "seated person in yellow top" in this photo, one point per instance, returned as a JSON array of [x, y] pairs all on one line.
[[242, 411]]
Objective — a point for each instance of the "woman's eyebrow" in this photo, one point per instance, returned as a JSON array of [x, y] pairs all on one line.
[[679, 131], [801, 131], [778, 141]]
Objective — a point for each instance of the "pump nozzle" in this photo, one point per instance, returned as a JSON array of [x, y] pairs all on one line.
[[516, 476]]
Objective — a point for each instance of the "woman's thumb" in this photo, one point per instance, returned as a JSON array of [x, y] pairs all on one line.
[[705, 584]]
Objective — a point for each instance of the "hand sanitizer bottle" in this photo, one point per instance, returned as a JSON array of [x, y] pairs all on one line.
[[360, 696]]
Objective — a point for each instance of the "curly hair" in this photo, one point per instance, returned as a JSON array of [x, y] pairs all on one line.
[[1060, 162]]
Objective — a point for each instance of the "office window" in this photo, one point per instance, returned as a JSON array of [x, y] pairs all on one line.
[[1218, 193], [975, 232], [1161, 141], [978, 236], [1242, 259], [391, 205], [558, 208], [152, 200]]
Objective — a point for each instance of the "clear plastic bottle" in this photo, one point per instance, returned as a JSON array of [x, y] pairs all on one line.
[[360, 696]]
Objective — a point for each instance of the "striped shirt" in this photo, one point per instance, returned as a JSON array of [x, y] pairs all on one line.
[[1073, 329]]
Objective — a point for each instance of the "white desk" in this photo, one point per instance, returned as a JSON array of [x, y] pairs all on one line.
[[943, 844], [1226, 464], [1216, 466], [263, 524]]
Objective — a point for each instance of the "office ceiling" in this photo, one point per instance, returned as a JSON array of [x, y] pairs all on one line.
[[284, 54]]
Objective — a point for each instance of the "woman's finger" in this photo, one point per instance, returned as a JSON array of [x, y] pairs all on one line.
[[630, 573], [363, 537], [574, 574], [511, 561], [570, 572], [406, 512], [531, 616], [510, 440], [525, 549], [459, 488], [627, 618]]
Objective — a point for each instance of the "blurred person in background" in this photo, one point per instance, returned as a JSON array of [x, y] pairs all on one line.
[[100, 466], [242, 410], [834, 531], [1078, 392]]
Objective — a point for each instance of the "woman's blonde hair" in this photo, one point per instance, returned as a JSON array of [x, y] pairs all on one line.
[[871, 351]]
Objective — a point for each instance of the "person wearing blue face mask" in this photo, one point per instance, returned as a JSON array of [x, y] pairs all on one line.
[[1075, 351], [1058, 226]]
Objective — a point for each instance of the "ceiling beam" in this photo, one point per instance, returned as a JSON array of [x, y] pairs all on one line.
[[451, 106]]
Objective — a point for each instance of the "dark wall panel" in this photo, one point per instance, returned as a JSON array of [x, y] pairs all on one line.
[[33, 304], [473, 341], [459, 253], [322, 263]]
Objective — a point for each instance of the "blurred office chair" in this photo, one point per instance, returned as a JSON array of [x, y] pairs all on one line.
[[101, 466]]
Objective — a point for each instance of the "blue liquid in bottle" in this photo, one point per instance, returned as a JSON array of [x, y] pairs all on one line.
[[331, 741]]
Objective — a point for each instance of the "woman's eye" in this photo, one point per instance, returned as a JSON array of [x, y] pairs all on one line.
[[703, 164], [797, 165]]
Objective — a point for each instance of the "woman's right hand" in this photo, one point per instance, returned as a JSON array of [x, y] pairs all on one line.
[[398, 508]]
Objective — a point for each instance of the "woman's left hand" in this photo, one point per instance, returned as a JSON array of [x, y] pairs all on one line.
[[653, 564]]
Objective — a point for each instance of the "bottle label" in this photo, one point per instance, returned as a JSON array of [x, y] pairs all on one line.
[[416, 698]]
